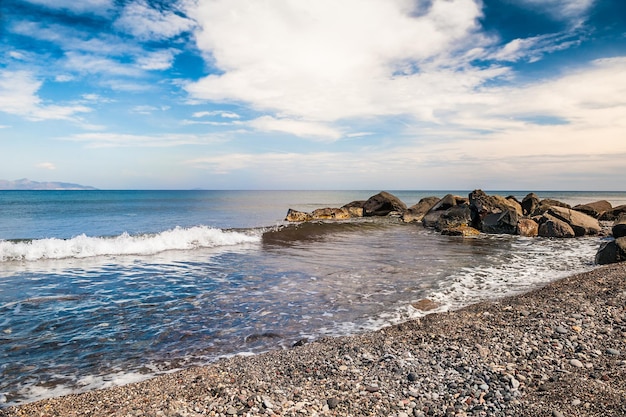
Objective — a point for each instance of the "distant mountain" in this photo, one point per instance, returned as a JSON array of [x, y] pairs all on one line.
[[26, 184]]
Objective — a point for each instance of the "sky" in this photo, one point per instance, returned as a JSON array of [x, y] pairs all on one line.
[[325, 94]]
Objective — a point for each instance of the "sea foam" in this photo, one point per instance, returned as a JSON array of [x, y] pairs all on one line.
[[83, 246]]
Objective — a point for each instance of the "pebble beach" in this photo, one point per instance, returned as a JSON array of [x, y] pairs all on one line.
[[556, 351]]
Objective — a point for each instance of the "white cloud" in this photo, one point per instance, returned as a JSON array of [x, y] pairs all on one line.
[[159, 60], [299, 128], [147, 23], [327, 60], [574, 11], [47, 165], [222, 114], [120, 140], [18, 95]]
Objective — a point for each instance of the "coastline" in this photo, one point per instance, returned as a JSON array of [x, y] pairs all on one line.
[[559, 350]]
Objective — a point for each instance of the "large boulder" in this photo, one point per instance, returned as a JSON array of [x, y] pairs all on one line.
[[529, 204], [527, 228], [333, 214], [449, 200], [546, 204], [595, 209], [614, 214], [485, 206], [456, 216], [612, 251], [552, 227], [581, 223], [431, 218], [382, 204], [501, 223], [619, 227], [416, 212]]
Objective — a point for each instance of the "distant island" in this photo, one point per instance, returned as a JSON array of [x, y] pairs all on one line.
[[26, 184]]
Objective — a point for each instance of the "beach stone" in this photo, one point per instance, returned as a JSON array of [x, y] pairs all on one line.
[[561, 330], [425, 305], [416, 212], [493, 214], [448, 201], [552, 227], [332, 403], [412, 376], [465, 231], [331, 214], [581, 223], [297, 216], [576, 363], [431, 218], [619, 227], [595, 209], [613, 352], [383, 204], [527, 228], [501, 223], [546, 204]]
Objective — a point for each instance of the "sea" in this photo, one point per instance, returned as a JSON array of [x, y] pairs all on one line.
[[103, 288]]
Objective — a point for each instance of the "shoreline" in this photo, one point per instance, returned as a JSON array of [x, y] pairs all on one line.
[[559, 350]]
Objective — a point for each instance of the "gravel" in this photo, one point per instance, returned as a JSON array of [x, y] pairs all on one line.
[[556, 351]]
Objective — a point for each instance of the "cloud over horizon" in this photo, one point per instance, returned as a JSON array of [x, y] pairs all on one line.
[[441, 86]]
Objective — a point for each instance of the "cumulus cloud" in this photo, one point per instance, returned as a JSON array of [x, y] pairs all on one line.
[[326, 60], [147, 23], [18, 95], [300, 128]]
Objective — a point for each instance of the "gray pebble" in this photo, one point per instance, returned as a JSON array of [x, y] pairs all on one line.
[[613, 352], [561, 330], [576, 363]]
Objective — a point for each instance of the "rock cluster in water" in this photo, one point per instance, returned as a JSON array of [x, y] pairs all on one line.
[[494, 214]]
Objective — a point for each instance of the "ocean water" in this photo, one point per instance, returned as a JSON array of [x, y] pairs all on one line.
[[99, 288]]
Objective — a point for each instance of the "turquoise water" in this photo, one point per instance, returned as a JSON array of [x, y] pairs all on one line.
[[99, 288]]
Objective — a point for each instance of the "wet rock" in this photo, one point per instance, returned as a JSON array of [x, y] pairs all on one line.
[[456, 216], [417, 212], [595, 209], [425, 305], [553, 227], [382, 204], [465, 231], [619, 227], [297, 216], [501, 223], [529, 204], [527, 227], [614, 214], [582, 224], [494, 214], [612, 251]]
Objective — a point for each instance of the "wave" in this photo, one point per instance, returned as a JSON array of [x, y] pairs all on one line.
[[83, 246]]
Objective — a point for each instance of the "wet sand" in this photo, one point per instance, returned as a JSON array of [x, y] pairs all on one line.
[[557, 351]]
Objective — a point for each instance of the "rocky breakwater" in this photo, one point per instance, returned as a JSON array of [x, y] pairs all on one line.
[[493, 214]]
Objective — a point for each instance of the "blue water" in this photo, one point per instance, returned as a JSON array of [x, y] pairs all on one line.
[[99, 288]]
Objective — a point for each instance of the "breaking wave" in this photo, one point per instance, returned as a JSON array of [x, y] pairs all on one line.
[[83, 246]]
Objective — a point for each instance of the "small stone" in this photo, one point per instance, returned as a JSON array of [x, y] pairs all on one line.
[[372, 389], [343, 368], [561, 330], [514, 383], [231, 411], [332, 403], [576, 402], [557, 414], [576, 363], [412, 376], [267, 403], [613, 352]]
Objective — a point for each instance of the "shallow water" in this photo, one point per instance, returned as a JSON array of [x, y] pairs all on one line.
[[86, 311]]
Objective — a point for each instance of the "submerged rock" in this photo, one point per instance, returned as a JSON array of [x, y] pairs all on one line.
[[297, 216]]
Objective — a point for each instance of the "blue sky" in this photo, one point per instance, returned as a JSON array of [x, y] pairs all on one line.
[[296, 94]]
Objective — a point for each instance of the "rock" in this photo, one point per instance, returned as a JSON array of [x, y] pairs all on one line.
[[416, 212], [383, 204], [447, 202], [614, 214], [425, 305], [431, 218], [595, 209], [331, 214], [582, 224], [553, 227], [501, 223], [332, 403], [576, 363], [297, 216], [465, 231], [527, 227], [613, 352], [612, 251], [619, 227], [456, 216], [483, 206], [546, 204], [412, 376], [529, 204]]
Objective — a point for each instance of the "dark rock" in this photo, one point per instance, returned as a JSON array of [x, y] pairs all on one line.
[[456, 216], [300, 342], [383, 204], [530, 203], [412, 376], [447, 202], [501, 223], [497, 209], [431, 218], [528, 228], [614, 214], [595, 209], [619, 227], [553, 227], [546, 204], [612, 251], [416, 212], [332, 403], [581, 223]]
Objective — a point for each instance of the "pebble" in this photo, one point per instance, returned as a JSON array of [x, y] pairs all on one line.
[[576, 363], [561, 330], [613, 352]]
